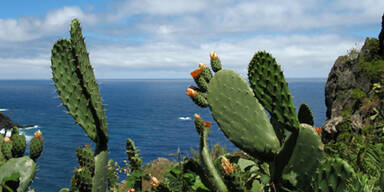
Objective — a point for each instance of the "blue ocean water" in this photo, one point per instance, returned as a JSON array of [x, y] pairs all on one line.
[[156, 114]]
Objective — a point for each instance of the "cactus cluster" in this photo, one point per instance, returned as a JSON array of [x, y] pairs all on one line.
[[239, 108], [13, 162], [78, 90]]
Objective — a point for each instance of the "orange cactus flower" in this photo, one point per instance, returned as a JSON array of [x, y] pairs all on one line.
[[197, 116], [202, 65], [131, 190], [318, 130], [213, 55], [38, 134], [6, 139], [154, 182], [227, 166], [191, 92], [207, 124], [196, 73]]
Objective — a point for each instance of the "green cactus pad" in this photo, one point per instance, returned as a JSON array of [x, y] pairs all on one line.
[[18, 145], [305, 158], [24, 166], [76, 85], [305, 114], [86, 71], [240, 116], [333, 176], [271, 89], [69, 87], [36, 148], [6, 149], [85, 157]]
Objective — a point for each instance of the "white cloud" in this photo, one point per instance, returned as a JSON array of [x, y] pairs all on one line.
[[30, 28], [304, 36]]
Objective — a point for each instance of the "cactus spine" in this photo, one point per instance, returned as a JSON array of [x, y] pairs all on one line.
[[78, 90]]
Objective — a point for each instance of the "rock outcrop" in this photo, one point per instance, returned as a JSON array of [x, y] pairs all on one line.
[[353, 89], [6, 122]]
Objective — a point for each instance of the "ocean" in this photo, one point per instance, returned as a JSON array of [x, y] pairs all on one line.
[[156, 114]]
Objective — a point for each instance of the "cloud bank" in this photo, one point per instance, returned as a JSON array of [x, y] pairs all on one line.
[[167, 39]]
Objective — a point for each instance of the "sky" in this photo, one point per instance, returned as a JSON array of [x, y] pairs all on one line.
[[165, 39]]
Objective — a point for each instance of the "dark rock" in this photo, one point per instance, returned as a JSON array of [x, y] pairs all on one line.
[[6, 122], [349, 86]]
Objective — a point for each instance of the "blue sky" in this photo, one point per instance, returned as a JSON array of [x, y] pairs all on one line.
[[168, 39]]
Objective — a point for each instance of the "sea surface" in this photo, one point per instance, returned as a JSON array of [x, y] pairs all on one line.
[[156, 114]]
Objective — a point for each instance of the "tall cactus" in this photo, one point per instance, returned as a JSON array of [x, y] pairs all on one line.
[[78, 90], [239, 111]]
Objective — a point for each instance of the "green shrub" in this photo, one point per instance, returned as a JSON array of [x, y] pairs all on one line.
[[358, 94]]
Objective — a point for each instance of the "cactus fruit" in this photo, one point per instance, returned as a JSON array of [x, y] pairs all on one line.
[[240, 116], [333, 176], [215, 181], [305, 115], [271, 89], [198, 98], [6, 148], [15, 131], [18, 145], [85, 157], [215, 62], [36, 146]]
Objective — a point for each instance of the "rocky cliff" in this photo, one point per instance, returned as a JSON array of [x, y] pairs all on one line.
[[354, 90]]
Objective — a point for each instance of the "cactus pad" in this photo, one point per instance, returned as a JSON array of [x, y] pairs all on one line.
[[306, 156], [240, 115], [24, 166], [76, 85], [270, 88], [305, 114]]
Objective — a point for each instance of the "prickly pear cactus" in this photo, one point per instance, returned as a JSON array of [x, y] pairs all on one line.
[[271, 89], [240, 116], [78, 90]]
